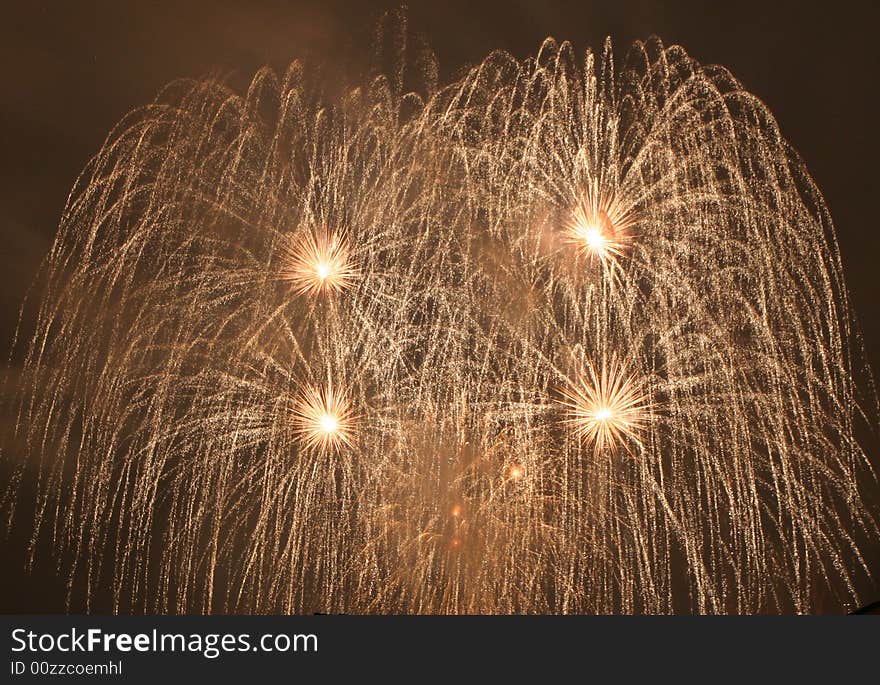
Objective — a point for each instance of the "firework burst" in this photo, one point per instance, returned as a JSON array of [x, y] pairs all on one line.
[[600, 226], [318, 263], [324, 418], [606, 407], [187, 476]]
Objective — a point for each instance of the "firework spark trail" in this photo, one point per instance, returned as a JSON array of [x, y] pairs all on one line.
[[300, 358]]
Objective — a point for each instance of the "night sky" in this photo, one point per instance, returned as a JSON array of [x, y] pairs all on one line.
[[72, 70]]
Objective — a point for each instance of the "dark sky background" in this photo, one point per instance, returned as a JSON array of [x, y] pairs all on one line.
[[72, 70]]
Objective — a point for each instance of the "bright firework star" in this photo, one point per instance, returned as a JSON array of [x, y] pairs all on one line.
[[600, 226], [606, 407], [318, 263], [324, 419]]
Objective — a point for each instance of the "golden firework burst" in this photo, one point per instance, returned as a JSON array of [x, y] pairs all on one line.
[[318, 263], [606, 407], [324, 418], [600, 225]]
